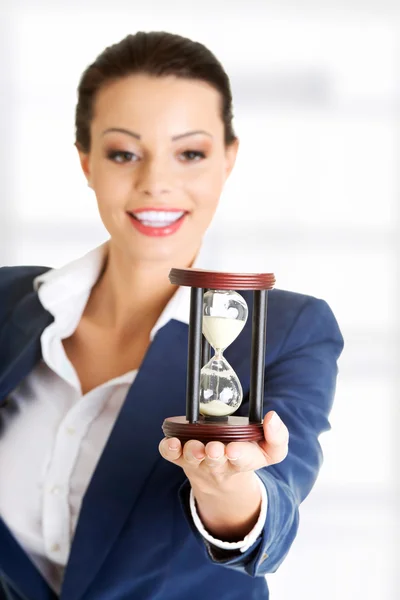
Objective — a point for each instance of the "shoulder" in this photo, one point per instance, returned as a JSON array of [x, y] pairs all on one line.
[[20, 277], [298, 319], [15, 283], [289, 305]]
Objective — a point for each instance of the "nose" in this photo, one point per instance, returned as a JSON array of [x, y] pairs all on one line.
[[154, 178]]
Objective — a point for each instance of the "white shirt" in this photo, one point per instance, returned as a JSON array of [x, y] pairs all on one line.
[[46, 479]]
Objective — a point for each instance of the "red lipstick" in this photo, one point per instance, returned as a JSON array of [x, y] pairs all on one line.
[[157, 222]]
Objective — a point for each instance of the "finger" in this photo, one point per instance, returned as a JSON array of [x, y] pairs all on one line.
[[215, 454], [170, 449], [194, 452], [276, 441], [245, 456]]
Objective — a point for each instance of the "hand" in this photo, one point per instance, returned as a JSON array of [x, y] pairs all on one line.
[[212, 466], [222, 478]]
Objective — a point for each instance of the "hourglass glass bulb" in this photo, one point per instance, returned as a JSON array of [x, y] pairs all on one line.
[[224, 316], [220, 390]]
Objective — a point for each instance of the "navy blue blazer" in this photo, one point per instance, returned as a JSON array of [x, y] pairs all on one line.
[[135, 539]]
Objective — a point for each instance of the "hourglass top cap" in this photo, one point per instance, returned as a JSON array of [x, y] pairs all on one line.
[[215, 280]]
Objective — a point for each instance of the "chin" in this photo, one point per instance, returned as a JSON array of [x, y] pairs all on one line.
[[177, 250], [172, 254]]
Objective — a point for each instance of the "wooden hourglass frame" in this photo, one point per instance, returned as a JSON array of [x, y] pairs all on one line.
[[232, 428]]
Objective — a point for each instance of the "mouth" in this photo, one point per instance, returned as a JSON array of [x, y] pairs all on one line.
[[157, 222]]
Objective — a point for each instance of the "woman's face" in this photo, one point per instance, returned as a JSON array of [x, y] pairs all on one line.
[[157, 164]]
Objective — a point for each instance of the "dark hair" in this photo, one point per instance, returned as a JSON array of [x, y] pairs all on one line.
[[154, 53]]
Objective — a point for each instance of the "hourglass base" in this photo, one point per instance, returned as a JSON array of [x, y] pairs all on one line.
[[233, 429]]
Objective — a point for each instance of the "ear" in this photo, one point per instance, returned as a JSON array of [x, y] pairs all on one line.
[[230, 155], [85, 163]]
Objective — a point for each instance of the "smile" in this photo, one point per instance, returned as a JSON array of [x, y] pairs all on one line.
[[155, 222]]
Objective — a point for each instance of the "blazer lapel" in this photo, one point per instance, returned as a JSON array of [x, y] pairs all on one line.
[[129, 457]]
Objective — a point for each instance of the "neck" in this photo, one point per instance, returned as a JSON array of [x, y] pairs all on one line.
[[131, 294]]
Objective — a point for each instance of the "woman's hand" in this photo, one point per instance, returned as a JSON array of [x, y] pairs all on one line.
[[222, 477], [216, 463]]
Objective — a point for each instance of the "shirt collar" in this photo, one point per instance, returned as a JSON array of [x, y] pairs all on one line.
[[76, 276], [57, 288]]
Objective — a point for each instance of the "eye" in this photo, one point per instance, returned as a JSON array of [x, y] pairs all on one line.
[[193, 155], [121, 156]]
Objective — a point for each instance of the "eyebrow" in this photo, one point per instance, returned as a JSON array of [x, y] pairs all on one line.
[[138, 137]]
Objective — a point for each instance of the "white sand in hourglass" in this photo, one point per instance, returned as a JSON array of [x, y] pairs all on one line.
[[215, 408], [221, 332]]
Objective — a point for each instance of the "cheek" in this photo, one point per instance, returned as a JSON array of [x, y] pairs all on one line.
[[206, 189], [111, 188]]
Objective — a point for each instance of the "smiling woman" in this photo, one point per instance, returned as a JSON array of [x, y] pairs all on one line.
[[94, 504], [157, 150]]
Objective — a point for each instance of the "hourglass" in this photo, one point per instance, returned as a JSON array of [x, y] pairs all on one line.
[[218, 313]]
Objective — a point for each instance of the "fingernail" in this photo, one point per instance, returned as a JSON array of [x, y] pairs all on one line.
[[275, 422], [217, 457], [173, 447], [234, 452], [234, 457]]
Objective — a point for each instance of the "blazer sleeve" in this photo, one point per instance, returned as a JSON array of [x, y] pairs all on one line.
[[300, 386]]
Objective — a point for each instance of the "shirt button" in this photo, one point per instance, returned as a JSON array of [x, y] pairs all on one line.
[[55, 548], [71, 431], [56, 489]]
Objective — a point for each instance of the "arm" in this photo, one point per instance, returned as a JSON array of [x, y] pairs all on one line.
[[300, 386]]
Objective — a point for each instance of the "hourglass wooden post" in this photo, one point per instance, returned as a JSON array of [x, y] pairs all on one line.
[[218, 313]]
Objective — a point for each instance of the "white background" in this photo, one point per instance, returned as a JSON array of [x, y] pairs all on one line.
[[314, 198]]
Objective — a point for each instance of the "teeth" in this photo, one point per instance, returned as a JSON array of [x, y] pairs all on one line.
[[153, 218], [158, 218]]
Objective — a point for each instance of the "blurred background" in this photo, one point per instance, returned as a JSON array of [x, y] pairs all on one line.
[[314, 198]]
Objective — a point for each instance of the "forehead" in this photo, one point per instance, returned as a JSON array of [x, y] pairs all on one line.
[[169, 102]]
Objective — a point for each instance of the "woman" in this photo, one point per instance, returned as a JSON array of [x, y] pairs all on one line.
[[94, 504]]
